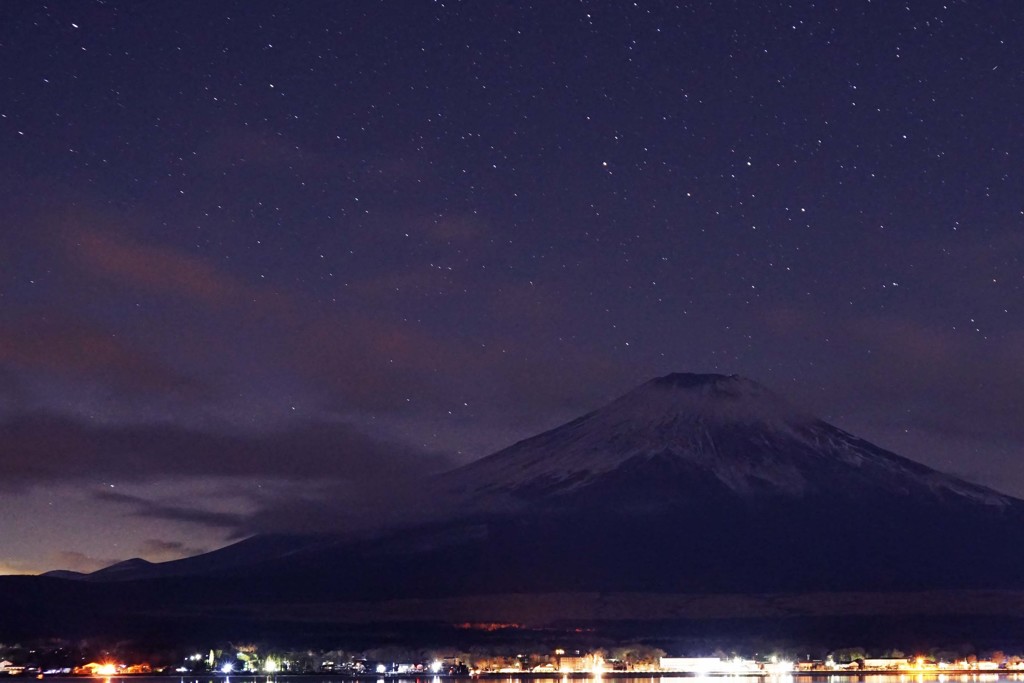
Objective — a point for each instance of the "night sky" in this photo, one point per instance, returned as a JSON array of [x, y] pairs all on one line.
[[264, 263]]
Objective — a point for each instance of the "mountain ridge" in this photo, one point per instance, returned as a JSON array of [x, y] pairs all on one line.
[[747, 436]]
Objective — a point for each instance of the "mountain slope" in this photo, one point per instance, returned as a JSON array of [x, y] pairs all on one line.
[[725, 432]]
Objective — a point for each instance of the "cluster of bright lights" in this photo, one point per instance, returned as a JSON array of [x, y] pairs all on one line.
[[778, 668], [106, 669]]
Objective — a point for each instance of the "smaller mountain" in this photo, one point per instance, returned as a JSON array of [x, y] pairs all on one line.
[[235, 558], [125, 570], [122, 571], [65, 574]]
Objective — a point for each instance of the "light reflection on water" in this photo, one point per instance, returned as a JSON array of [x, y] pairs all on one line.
[[608, 677]]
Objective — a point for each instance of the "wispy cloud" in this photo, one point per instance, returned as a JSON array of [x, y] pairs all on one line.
[[158, 550], [175, 513], [152, 267]]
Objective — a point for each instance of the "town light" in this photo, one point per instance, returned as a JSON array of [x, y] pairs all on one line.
[[778, 667], [436, 665], [227, 668], [106, 670]]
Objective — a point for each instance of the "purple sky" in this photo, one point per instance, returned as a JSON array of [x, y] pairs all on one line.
[[263, 262]]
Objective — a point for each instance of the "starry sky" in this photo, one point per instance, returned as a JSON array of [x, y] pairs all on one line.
[[262, 264]]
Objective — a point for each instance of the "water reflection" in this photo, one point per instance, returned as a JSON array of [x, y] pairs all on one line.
[[605, 677]]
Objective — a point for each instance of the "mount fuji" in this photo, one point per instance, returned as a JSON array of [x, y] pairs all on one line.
[[683, 499], [690, 437], [705, 482]]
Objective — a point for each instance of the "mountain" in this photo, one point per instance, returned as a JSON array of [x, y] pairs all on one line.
[[689, 498], [707, 436], [237, 557], [714, 483], [125, 571]]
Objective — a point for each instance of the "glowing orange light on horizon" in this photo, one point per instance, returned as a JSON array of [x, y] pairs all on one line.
[[106, 670]]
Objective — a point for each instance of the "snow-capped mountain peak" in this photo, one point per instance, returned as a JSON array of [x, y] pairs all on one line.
[[704, 397], [692, 434]]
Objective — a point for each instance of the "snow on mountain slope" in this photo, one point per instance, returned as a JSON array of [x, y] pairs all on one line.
[[742, 435]]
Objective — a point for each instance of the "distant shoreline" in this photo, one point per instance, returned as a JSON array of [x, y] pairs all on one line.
[[975, 675]]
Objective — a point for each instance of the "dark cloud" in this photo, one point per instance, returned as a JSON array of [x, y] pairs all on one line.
[[322, 506], [314, 477], [44, 448], [143, 507]]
